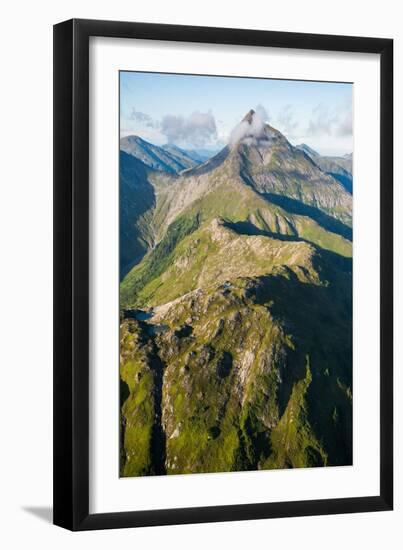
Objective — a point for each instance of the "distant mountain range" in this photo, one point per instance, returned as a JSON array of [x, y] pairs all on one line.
[[167, 158], [341, 168], [236, 306], [198, 155]]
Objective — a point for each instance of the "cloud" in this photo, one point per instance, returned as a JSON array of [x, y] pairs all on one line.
[[345, 124], [285, 121], [197, 130], [249, 130], [143, 118], [337, 122], [262, 113], [322, 121]]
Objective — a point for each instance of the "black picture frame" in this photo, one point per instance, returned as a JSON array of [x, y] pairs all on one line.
[[71, 274]]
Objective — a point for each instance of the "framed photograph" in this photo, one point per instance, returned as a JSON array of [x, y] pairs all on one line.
[[223, 243]]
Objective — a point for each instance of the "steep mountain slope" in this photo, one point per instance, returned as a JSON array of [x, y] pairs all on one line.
[[339, 168], [269, 163], [167, 158], [346, 161], [137, 201], [236, 341], [308, 150]]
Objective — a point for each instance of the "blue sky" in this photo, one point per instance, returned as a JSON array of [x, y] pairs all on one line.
[[200, 111]]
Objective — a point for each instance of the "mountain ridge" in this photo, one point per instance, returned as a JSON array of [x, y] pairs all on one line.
[[340, 168], [169, 159]]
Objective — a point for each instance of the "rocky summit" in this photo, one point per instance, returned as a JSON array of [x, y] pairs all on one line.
[[236, 307]]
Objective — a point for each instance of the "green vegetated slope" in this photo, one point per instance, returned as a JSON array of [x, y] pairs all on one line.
[[236, 336]]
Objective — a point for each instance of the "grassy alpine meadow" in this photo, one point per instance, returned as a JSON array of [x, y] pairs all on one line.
[[236, 274]]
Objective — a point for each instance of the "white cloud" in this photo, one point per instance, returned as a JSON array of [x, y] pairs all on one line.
[[248, 130], [143, 119], [285, 121], [336, 122], [197, 130], [322, 121], [345, 124], [262, 112]]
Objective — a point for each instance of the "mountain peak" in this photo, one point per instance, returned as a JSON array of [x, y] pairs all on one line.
[[250, 128], [249, 116]]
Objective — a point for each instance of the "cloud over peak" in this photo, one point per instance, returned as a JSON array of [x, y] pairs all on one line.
[[250, 129]]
